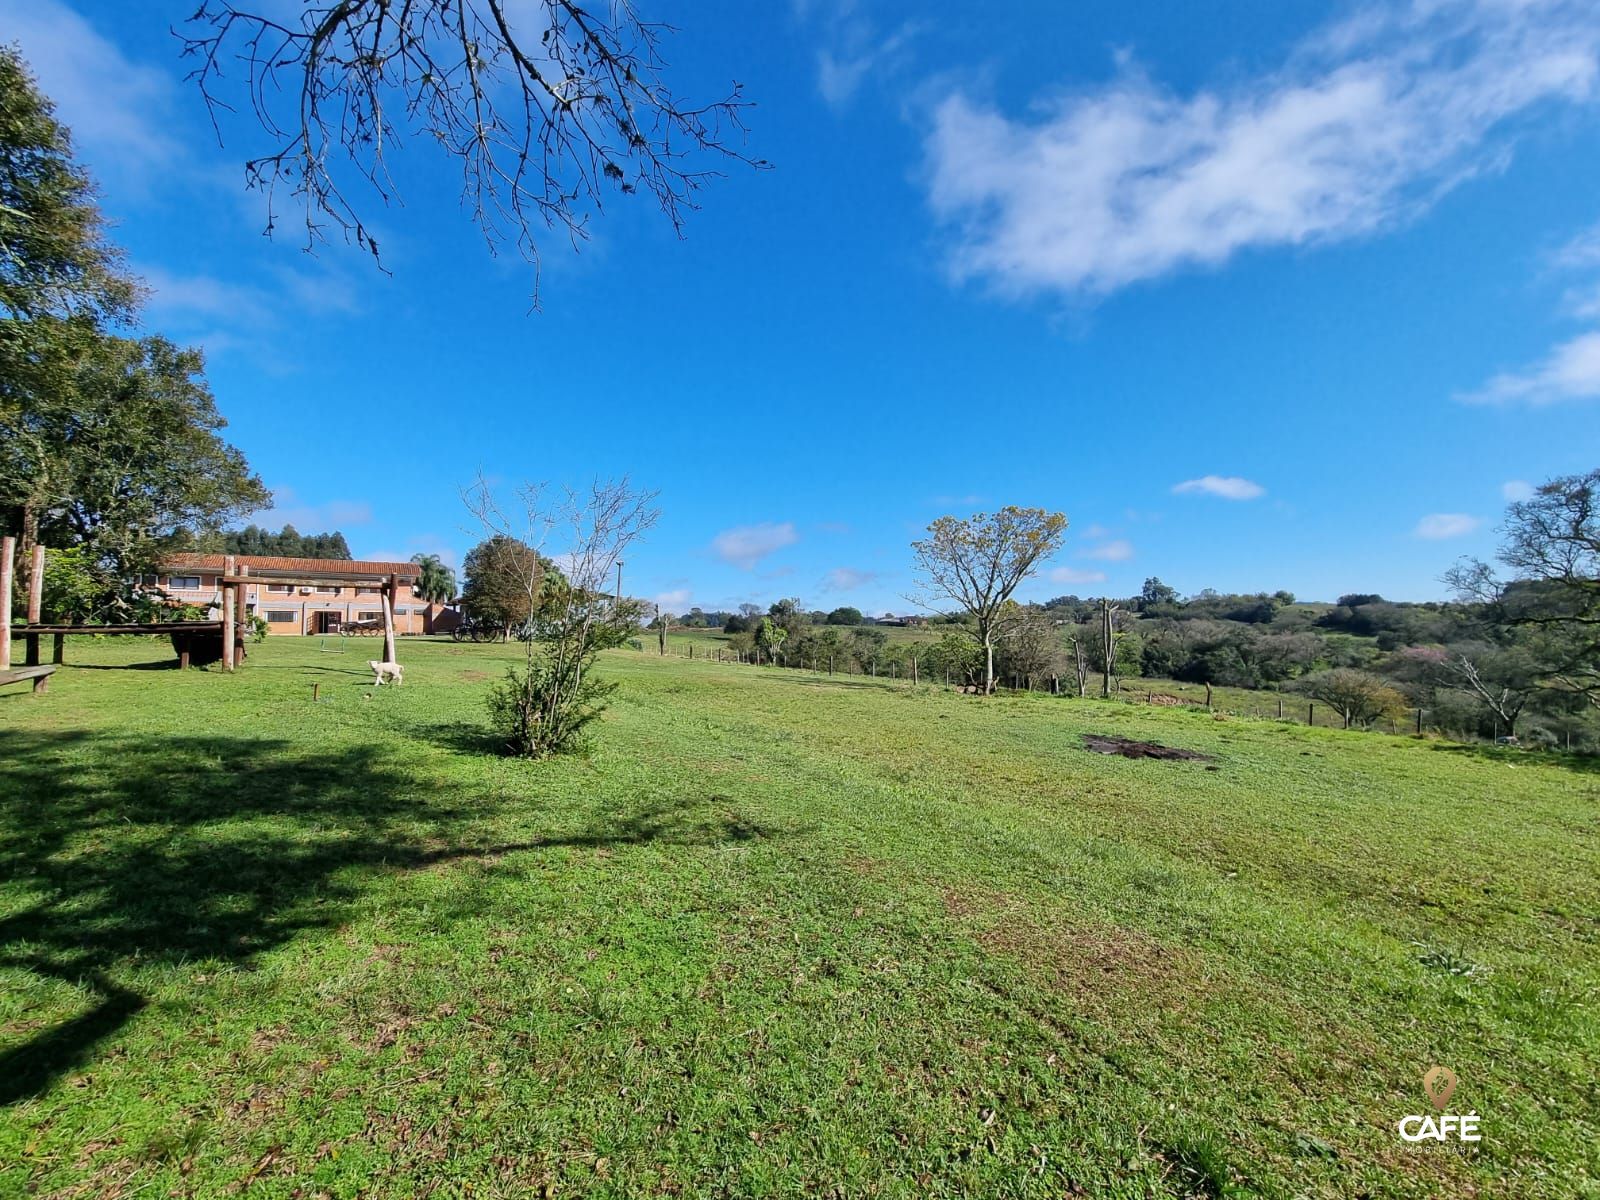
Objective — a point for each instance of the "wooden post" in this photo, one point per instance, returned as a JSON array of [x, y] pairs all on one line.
[[390, 586], [1311, 710], [35, 600], [8, 556], [913, 670], [241, 617], [1419, 725], [1208, 697], [1280, 708], [36, 585], [58, 651], [229, 565]]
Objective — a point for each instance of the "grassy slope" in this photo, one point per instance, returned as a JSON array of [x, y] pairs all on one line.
[[778, 934]]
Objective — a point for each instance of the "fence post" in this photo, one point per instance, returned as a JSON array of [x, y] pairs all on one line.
[[1310, 714], [1280, 708], [1419, 723]]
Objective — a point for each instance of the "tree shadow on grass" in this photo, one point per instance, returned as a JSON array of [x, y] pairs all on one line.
[[130, 852], [165, 664], [1513, 756]]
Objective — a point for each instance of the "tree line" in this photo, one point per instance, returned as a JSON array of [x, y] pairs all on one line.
[[1516, 658]]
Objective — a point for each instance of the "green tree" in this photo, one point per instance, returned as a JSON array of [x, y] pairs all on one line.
[[107, 444], [977, 564], [770, 636], [503, 581], [56, 262], [288, 541], [436, 583], [1155, 592], [845, 615], [127, 461]]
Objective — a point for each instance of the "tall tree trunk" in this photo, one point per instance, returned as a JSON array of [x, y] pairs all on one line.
[[988, 661], [1108, 647]]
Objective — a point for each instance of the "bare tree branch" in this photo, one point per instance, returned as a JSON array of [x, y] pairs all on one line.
[[549, 106]]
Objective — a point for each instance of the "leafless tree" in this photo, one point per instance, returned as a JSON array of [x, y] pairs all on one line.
[[978, 563], [543, 708], [549, 107], [1080, 659], [1553, 548], [1359, 697]]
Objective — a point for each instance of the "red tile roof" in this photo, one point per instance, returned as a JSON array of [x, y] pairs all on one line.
[[322, 567]]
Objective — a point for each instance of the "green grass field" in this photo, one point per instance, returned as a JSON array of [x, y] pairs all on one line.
[[779, 935]]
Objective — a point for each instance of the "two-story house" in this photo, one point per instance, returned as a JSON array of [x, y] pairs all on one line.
[[290, 608]]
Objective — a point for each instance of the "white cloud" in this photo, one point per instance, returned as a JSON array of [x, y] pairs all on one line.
[[119, 111], [1073, 575], [231, 315], [843, 67], [746, 545], [846, 579], [1365, 126], [288, 509], [1436, 526], [202, 296], [674, 601], [1517, 489], [1119, 550], [1229, 487], [1571, 371]]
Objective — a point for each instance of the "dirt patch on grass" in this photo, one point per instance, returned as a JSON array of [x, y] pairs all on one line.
[[474, 676], [1129, 748], [1167, 700], [1097, 962]]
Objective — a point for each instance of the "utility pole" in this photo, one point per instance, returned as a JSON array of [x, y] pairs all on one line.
[[661, 630], [619, 581]]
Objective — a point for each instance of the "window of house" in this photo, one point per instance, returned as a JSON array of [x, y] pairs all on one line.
[[369, 616], [327, 591], [281, 589], [184, 581], [277, 616]]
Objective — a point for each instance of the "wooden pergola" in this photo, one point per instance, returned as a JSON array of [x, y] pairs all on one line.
[[236, 578], [187, 636]]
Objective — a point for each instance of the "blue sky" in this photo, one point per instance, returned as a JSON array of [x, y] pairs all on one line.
[[1262, 297]]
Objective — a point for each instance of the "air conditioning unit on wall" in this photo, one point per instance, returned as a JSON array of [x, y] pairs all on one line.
[[305, 591]]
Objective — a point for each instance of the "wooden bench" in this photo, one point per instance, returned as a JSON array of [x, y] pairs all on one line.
[[40, 676]]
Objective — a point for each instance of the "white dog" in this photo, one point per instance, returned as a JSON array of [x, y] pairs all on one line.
[[386, 670]]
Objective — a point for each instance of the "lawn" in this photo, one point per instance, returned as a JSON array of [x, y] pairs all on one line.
[[779, 934]]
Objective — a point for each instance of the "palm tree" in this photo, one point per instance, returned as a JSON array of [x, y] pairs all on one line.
[[436, 583]]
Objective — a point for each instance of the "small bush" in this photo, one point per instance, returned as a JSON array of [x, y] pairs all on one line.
[[542, 709]]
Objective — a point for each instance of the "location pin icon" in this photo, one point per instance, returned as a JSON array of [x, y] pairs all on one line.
[[1440, 1083]]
